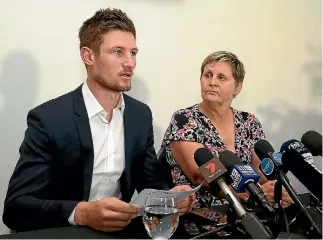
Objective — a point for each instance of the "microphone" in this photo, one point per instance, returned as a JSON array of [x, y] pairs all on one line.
[[271, 162], [244, 179], [273, 169], [302, 168], [313, 140], [215, 173], [299, 147]]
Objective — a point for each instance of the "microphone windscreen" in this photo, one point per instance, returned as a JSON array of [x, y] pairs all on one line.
[[313, 140], [229, 159], [305, 172], [262, 148], [202, 155], [290, 144]]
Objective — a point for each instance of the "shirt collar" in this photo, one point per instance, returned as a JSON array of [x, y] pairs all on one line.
[[92, 105]]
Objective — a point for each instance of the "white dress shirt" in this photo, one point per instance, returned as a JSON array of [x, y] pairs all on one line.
[[108, 146]]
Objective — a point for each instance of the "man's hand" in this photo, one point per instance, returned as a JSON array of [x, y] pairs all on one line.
[[107, 214], [185, 205]]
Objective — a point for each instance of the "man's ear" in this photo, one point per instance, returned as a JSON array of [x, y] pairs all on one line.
[[87, 56]]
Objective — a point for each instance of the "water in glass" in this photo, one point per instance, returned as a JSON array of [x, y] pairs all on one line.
[[161, 216]]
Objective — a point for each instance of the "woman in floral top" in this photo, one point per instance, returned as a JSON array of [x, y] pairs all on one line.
[[215, 125]]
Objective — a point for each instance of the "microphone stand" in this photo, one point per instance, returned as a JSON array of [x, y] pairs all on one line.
[[279, 211], [313, 231], [229, 227]]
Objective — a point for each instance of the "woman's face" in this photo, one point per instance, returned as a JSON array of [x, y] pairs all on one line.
[[218, 84]]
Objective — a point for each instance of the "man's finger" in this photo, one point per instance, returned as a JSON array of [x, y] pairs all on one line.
[[116, 224], [110, 229], [117, 216], [117, 205]]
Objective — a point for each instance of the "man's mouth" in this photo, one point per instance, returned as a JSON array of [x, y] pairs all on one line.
[[126, 75]]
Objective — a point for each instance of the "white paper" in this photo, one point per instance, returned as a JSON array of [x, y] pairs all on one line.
[[140, 200]]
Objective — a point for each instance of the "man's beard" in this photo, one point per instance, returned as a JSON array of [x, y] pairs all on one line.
[[112, 86]]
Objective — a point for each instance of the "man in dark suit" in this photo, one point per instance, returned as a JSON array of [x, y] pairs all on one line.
[[84, 153]]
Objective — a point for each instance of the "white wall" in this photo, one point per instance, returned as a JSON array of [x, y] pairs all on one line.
[[278, 41]]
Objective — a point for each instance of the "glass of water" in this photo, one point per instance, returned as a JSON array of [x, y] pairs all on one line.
[[161, 215]]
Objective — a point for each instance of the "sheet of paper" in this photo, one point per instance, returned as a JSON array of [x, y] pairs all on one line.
[[140, 199]]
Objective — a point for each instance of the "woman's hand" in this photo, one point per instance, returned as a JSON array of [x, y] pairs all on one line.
[[268, 189], [243, 197]]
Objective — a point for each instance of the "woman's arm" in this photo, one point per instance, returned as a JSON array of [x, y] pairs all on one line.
[[183, 152]]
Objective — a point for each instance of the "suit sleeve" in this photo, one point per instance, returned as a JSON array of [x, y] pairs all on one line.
[[27, 206]]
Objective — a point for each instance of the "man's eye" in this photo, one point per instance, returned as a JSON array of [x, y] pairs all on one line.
[[117, 51], [134, 53]]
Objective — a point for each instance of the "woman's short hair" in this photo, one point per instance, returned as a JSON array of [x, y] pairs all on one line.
[[237, 68]]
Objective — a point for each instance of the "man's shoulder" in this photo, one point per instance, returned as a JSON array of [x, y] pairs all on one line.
[[136, 104], [58, 106]]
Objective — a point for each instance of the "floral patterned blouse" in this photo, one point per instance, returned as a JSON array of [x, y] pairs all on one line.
[[191, 124]]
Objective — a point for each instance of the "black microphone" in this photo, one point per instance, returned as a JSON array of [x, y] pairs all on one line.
[[215, 173], [297, 162], [263, 150], [313, 140], [244, 179], [271, 168]]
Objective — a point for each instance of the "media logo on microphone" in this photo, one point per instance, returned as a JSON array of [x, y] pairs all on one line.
[[236, 179], [212, 169], [267, 166], [277, 157], [297, 145]]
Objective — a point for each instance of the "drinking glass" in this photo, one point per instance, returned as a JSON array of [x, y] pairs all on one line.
[[161, 215]]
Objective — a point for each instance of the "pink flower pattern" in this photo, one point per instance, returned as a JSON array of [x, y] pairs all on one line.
[[191, 124]]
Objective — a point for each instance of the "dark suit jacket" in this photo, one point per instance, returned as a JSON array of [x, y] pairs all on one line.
[[54, 171]]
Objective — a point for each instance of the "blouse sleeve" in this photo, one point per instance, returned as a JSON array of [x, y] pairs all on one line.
[[183, 126]]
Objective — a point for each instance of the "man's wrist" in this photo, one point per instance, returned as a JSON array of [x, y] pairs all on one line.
[[80, 217]]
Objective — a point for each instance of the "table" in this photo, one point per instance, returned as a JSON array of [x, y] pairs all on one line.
[[134, 230]]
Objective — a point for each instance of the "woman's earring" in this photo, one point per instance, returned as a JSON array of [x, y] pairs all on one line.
[[234, 95]]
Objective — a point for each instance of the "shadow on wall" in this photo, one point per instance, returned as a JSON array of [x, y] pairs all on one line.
[[313, 69], [19, 78], [283, 121], [140, 92]]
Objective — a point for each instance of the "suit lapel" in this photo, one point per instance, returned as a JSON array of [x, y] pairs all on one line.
[[84, 131], [129, 133]]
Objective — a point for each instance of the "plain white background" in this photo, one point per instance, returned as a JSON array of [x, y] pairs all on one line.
[[278, 41]]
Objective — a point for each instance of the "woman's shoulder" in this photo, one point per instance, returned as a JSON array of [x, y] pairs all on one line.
[[188, 112], [245, 116], [247, 119]]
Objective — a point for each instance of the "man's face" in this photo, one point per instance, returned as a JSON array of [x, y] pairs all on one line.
[[113, 67]]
